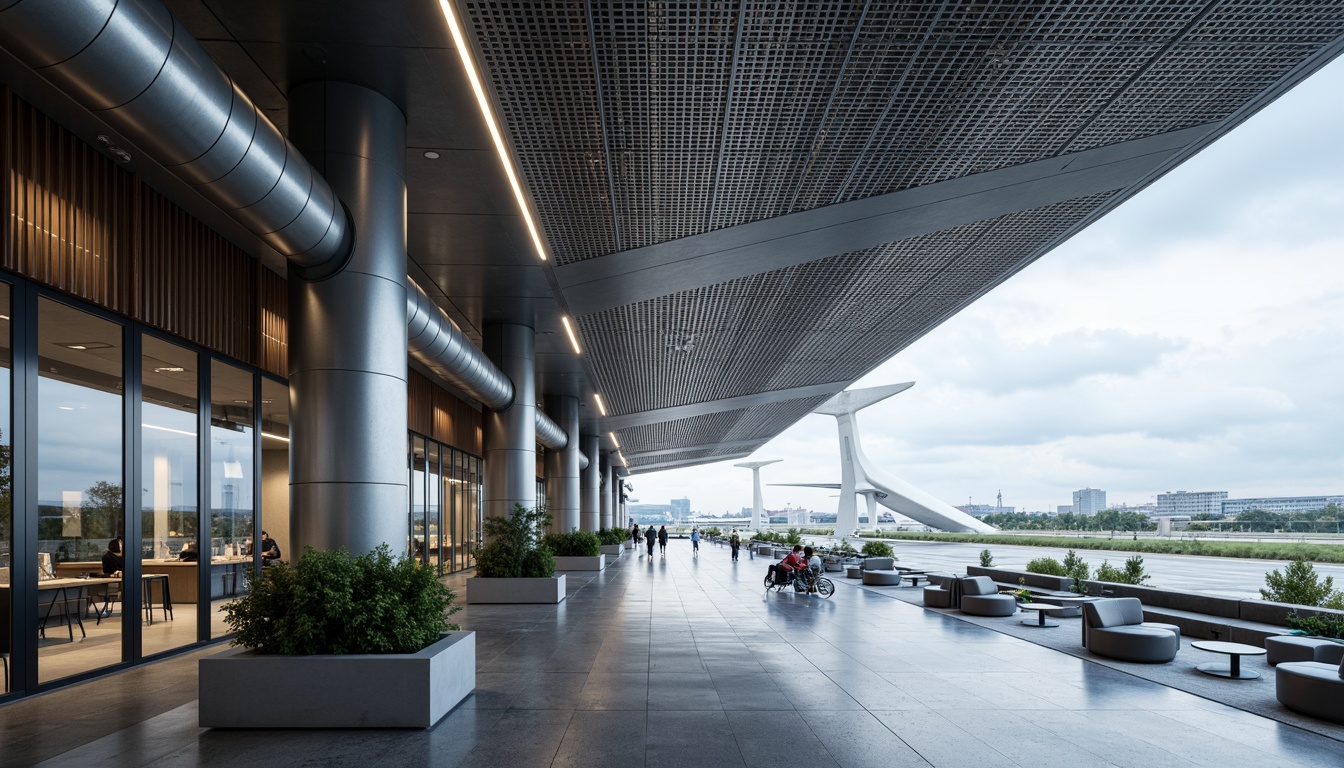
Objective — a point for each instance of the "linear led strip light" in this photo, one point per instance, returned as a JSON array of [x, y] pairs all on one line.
[[601, 406], [464, 51]]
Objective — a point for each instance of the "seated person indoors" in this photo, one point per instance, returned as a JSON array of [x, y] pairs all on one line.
[[114, 559], [269, 549], [189, 552]]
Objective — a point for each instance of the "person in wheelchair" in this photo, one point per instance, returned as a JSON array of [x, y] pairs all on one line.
[[786, 569]]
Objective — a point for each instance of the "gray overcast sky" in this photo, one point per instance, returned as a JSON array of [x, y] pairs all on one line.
[[1191, 340]]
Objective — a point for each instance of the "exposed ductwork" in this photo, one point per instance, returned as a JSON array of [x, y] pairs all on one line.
[[137, 68], [437, 343], [549, 433]]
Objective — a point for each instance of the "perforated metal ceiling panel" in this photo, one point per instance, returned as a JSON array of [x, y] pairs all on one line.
[[640, 123]]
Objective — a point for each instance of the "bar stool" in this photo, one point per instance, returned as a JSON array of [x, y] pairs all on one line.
[[165, 592]]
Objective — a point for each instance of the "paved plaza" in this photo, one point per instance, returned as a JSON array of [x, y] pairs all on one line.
[[686, 661]]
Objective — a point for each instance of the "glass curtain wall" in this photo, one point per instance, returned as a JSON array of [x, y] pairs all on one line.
[[6, 495], [170, 517], [275, 464], [445, 505], [232, 479], [81, 511]]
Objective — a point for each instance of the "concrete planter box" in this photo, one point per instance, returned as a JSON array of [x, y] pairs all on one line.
[[612, 550], [581, 563], [629, 544], [549, 590], [413, 690]]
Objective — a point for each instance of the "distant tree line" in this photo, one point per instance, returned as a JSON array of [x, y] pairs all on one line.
[[1329, 519], [1106, 520]]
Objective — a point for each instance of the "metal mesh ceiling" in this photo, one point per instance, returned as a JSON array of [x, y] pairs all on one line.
[[713, 115], [828, 320]]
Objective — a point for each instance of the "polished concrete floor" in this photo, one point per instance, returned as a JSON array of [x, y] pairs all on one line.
[[685, 661]]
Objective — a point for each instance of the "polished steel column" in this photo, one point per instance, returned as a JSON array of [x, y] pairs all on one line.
[[347, 331], [604, 491], [590, 484], [562, 466], [511, 433]]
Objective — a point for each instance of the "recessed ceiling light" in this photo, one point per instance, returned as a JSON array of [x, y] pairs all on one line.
[[569, 329], [242, 402], [431, 155], [86, 345], [601, 406], [170, 369]]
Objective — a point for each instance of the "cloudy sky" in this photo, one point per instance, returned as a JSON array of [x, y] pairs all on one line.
[[1191, 340]]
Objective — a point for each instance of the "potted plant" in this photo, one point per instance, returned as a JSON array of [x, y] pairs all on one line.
[[340, 641], [512, 567], [575, 551], [612, 539]]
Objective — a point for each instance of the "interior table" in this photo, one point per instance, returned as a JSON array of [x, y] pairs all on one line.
[[1231, 670], [1040, 609]]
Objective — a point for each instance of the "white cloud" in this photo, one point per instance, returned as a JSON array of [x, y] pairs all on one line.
[[1191, 339]]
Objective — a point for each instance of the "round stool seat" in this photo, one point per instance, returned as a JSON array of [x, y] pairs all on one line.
[[853, 571], [882, 578]]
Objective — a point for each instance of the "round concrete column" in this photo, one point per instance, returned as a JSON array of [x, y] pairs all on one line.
[[347, 331], [511, 434], [562, 466], [604, 492], [590, 484]]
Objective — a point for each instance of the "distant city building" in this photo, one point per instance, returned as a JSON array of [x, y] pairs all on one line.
[[681, 508], [1089, 501], [1280, 504], [1190, 503], [650, 513], [1064, 509], [1143, 509]]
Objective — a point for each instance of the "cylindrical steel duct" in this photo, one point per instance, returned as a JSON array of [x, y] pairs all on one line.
[[436, 342], [347, 359], [549, 433], [511, 433], [590, 484], [137, 68], [583, 461]]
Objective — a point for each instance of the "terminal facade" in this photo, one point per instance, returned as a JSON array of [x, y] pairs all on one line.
[[271, 270]]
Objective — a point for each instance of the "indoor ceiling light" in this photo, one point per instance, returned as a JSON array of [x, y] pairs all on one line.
[[601, 406], [275, 437], [464, 50], [170, 429], [615, 441], [569, 329], [431, 154], [87, 345], [169, 369]]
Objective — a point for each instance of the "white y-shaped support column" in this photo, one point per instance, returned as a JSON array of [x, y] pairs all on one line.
[[759, 520]]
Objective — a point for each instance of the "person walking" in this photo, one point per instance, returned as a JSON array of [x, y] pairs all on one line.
[[635, 537], [695, 542], [662, 540], [650, 536], [735, 543]]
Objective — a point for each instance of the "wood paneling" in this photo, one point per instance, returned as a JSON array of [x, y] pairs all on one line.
[[71, 210], [273, 314], [437, 413]]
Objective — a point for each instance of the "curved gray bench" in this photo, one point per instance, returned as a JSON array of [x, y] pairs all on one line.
[[882, 578], [1311, 688], [879, 564], [980, 597], [1300, 648], [1115, 628], [937, 597]]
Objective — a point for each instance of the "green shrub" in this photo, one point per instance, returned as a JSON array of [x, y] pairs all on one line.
[[845, 549], [1327, 625], [573, 544], [1299, 584], [986, 559], [714, 531], [1046, 565], [793, 536], [1132, 573], [877, 549], [610, 536], [511, 550], [1074, 566], [332, 602]]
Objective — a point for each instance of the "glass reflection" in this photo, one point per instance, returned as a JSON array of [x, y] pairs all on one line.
[[6, 506], [170, 518], [232, 475], [275, 462], [80, 514]]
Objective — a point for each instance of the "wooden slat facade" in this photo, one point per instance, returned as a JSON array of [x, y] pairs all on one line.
[[81, 224]]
